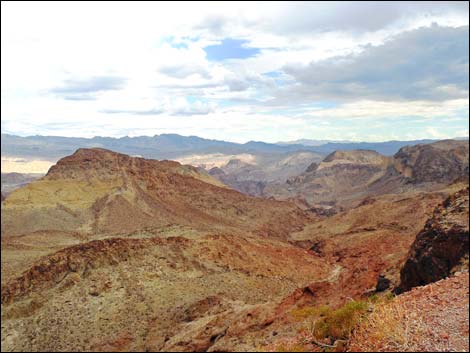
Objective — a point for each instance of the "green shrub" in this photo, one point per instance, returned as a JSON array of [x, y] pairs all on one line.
[[340, 323]]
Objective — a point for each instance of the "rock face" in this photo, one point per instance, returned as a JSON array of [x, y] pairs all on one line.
[[443, 161], [441, 245], [383, 283]]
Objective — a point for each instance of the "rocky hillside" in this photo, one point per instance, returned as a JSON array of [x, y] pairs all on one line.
[[442, 245], [163, 293], [439, 162], [96, 190], [370, 240], [344, 178]]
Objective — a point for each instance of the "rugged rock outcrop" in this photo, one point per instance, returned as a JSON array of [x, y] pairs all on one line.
[[441, 245], [383, 283], [340, 177], [439, 162]]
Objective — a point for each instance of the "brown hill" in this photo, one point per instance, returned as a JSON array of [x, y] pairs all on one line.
[[341, 177], [106, 242], [99, 191], [159, 293], [371, 239]]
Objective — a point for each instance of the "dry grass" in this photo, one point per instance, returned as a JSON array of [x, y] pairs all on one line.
[[328, 328], [386, 329], [337, 324]]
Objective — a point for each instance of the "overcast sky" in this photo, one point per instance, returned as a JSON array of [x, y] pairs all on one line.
[[236, 71]]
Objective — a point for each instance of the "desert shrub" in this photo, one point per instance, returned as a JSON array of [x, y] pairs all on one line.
[[334, 324], [389, 296], [374, 298], [310, 312], [339, 323], [384, 330]]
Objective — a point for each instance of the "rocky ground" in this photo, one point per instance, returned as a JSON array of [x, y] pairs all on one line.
[[432, 318]]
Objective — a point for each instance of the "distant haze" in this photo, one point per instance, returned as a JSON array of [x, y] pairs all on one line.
[[35, 154]]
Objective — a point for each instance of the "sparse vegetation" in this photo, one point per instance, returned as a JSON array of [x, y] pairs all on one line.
[[330, 328], [339, 323], [385, 326]]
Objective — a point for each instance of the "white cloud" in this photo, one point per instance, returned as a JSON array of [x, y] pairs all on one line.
[[167, 84], [369, 110]]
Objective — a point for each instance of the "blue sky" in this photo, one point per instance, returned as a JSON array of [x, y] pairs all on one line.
[[237, 71], [230, 48]]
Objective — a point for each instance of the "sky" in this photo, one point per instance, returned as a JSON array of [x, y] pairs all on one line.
[[236, 71]]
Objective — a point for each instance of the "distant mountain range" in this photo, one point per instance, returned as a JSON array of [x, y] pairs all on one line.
[[172, 146]]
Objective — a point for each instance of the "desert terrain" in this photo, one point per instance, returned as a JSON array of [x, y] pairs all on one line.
[[109, 252]]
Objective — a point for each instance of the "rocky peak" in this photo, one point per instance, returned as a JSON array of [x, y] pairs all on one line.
[[355, 156], [86, 163]]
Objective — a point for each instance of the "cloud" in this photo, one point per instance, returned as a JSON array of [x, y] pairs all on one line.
[[428, 63], [236, 70], [155, 111], [84, 89], [177, 106], [184, 70], [393, 110], [358, 16]]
